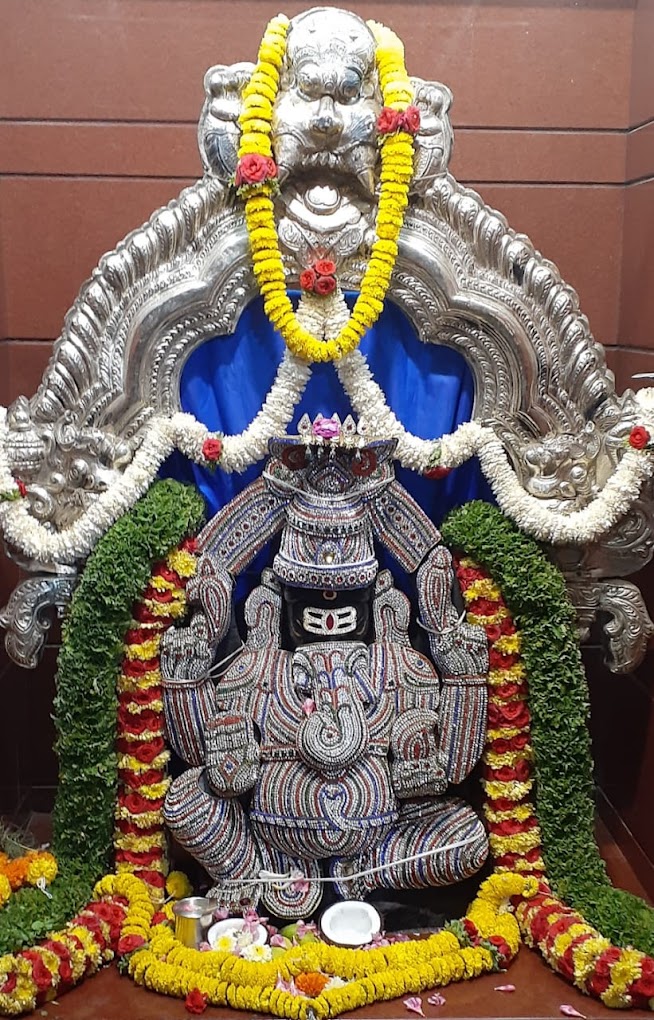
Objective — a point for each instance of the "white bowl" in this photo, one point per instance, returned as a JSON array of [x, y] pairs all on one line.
[[234, 926], [350, 923]]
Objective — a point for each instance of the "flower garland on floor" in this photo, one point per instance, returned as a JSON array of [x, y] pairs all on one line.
[[142, 782], [116, 920], [255, 178], [483, 942], [184, 433]]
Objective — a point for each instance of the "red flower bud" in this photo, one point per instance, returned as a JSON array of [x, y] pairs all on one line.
[[325, 285], [388, 121], [195, 1001], [410, 120], [325, 267], [307, 279], [639, 437], [129, 943], [254, 169], [212, 450], [437, 472]]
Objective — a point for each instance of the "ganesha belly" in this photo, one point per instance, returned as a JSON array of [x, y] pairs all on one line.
[[322, 746]]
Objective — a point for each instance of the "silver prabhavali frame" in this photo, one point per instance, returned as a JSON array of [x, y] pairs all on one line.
[[463, 277]]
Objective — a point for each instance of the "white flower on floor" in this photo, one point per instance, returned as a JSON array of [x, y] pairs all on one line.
[[257, 953], [225, 944]]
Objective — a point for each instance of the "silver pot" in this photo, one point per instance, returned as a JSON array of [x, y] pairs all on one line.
[[193, 917]]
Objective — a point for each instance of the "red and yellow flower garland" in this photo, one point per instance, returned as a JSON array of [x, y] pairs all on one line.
[[621, 978], [117, 920], [139, 838]]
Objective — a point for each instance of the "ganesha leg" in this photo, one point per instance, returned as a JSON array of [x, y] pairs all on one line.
[[289, 900], [216, 832], [449, 828]]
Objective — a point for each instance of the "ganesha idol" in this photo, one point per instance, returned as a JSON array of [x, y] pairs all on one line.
[[322, 746]]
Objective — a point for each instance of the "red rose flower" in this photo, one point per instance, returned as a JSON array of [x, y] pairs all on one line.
[[411, 120], [502, 946], [645, 984], [499, 661], [151, 877], [144, 615], [254, 169], [325, 285], [437, 472], [109, 912], [493, 632], [325, 267], [506, 691], [158, 918], [388, 120], [639, 437], [136, 780], [483, 607], [137, 667], [190, 545], [307, 279], [142, 857], [129, 943], [195, 1001], [470, 574], [212, 450], [40, 974]]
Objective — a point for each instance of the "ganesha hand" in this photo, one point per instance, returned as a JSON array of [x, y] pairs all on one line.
[[421, 777], [417, 769], [232, 762]]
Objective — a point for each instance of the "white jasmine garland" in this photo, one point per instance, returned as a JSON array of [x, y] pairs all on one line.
[[184, 433]]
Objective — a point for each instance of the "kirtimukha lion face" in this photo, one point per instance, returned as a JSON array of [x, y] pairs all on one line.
[[324, 119]]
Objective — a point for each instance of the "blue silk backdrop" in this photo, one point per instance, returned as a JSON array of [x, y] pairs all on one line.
[[430, 389]]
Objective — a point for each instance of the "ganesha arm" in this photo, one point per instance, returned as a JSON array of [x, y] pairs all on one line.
[[416, 768], [232, 755], [460, 653]]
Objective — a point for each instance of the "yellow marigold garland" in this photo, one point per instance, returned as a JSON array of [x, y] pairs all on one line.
[[396, 174], [372, 975]]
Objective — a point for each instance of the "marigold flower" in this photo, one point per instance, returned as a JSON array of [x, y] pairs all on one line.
[[178, 885], [311, 983]]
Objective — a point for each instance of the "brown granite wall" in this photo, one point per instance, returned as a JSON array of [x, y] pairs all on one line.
[[98, 106]]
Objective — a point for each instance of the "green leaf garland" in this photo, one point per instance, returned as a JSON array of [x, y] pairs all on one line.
[[534, 590], [86, 703]]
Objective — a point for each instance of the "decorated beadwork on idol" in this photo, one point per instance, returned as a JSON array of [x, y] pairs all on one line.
[[323, 745]]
